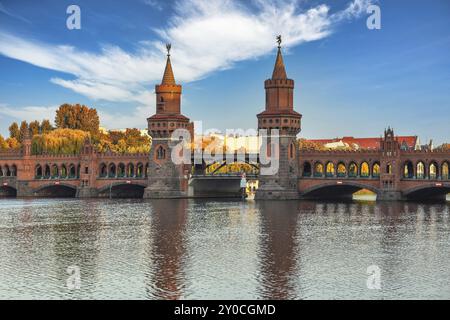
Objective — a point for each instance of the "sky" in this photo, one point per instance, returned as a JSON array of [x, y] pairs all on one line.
[[349, 80]]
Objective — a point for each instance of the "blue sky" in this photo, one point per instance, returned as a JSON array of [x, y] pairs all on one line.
[[350, 81]]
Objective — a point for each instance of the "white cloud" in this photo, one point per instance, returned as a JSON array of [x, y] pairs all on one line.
[[206, 36], [12, 15], [154, 4], [29, 113]]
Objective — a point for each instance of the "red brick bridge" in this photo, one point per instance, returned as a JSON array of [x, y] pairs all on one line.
[[390, 171]]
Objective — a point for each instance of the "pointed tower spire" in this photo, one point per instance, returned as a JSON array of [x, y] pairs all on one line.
[[168, 77], [279, 71]]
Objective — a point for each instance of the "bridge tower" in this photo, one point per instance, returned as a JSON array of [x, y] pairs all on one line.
[[390, 167], [165, 178], [279, 115]]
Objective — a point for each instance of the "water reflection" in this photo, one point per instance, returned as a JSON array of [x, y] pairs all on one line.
[[167, 249], [176, 249], [278, 249]]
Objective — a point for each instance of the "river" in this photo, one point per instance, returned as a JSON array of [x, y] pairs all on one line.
[[217, 249]]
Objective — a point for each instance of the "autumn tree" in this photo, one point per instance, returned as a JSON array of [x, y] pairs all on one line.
[[3, 143], [77, 117], [309, 145], [14, 131], [23, 131], [59, 141], [46, 126], [35, 127], [13, 143]]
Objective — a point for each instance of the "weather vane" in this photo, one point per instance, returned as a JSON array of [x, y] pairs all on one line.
[[168, 47], [279, 41]]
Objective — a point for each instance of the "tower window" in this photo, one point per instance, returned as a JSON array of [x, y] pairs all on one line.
[[160, 153]]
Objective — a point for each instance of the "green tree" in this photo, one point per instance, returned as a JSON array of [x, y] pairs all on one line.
[[14, 131], [35, 127], [46, 126], [24, 130], [77, 117]]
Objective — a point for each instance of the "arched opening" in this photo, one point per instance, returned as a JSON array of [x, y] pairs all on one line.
[[318, 170], [54, 171], [307, 169], [1, 171], [433, 171], [344, 191], [365, 171], [131, 191], [291, 151], [130, 170], [38, 172], [139, 170], [389, 168], [429, 193], [420, 170], [330, 171], [7, 171], [72, 171], [146, 170], [56, 191], [7, 192], [63, 171], [376, 170], [47, 172], [103, 170], [353, 170], [160, 153], [13, 170], [121, 170], [341, 170], [112, 170], [408, 170], [444, 171]]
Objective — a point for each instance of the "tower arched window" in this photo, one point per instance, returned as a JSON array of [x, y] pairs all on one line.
[[160, 153]]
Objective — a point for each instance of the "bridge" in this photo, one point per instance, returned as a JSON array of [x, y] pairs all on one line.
[[391, 171]]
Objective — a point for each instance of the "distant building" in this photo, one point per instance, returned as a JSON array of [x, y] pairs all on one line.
[[406, 143], [144, 132]]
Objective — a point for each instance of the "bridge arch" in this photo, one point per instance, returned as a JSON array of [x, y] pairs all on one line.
[[428, 191], [341, 189], [123, 190], [56, 190], [7, 192]]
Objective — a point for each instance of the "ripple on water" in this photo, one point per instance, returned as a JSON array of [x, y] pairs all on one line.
[[173, 249]]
